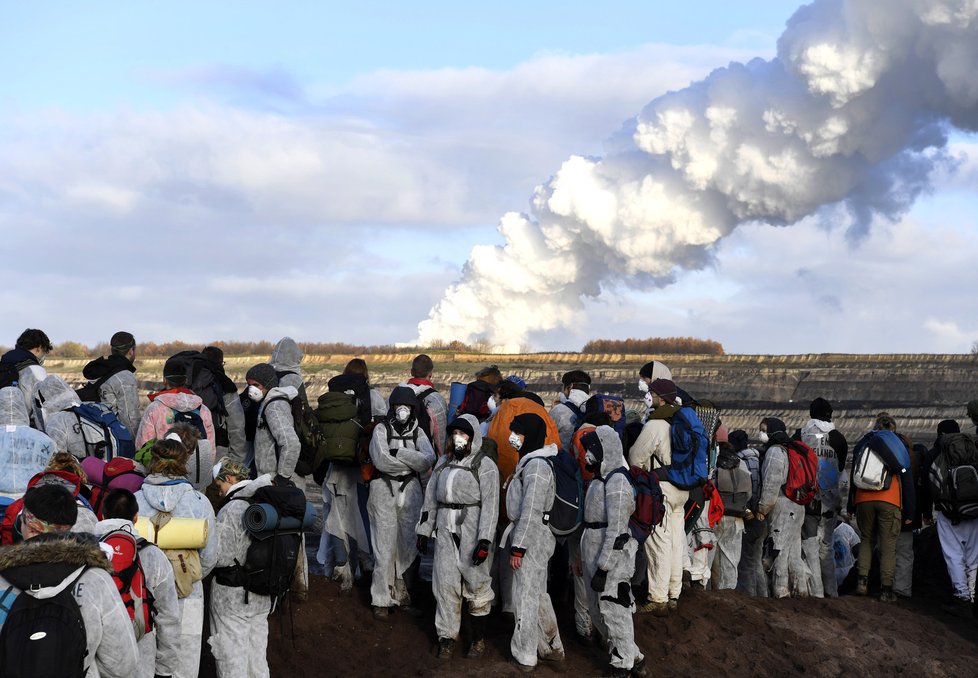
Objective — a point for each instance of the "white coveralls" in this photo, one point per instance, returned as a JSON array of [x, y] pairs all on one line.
[[181, 500], [666, 546], [239, 629], [785, 519], [817, 549], [461, 511], [607, 545], [529, 495], [394, 507]]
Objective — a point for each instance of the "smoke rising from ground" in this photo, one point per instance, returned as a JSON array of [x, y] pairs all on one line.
[[854, 112]]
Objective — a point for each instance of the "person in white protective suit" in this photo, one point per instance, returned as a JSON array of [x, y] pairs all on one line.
[[60, 422], [461, 508], [785, 518], [166, 490], [158, 649], [400, 452], [239, 618], [608, 550], [530, 494]]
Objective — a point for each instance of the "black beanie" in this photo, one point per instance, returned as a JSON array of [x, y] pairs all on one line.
[[820, 409], [739, 439], [532, 428], [774, 425]]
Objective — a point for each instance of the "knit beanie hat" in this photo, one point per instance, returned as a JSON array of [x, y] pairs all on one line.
[[264, 374], [820, 409], [665, 389]]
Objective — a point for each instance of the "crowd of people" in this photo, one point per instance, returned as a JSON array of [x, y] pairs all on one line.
[[479, 502]]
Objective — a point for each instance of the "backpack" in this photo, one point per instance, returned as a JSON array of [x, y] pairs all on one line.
[[193, 418], [567, 511], [339, 430], [954, 476], [650, 506], [801, 486], [476, 400], [103, 477], [270, 562], [734, 483], [185, 562], [421, 411], [105, 436], [829, 497], [753, 462], [10, 373], [203, 382], [689, 464], [869, 471], [43, 637], [129, 578]]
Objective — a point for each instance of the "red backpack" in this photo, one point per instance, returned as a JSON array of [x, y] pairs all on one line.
[[129, 578], [10, 523], [802, 484]]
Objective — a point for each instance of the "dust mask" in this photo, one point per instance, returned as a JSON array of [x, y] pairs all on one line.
[[461, 442], [491, 404], [402, 413], [764, 437], [255, 393], [515, 441], [643, 386]]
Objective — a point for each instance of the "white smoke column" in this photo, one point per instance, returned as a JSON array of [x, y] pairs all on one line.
[[854, 110]]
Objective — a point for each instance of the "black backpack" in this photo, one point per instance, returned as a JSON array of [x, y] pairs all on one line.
[[10, 373], [43, 638], [270, 562], [424, 419]]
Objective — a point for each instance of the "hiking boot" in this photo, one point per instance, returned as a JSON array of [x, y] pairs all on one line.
[[887, 595], [698, 585], [639, 670], [525, 668], [476, 649], [862, 586], [672, 605], [554, 657], [583, 640], [657, 609], [381, 612], [687, 581], [615, 672], [445, 648], [959, 607]]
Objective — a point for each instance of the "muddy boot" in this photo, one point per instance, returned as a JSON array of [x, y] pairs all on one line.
[[887, 596], [477, 648], [672, 605], [639, 670], [381, 612], [445, 648], [656, 609], [862, 586]]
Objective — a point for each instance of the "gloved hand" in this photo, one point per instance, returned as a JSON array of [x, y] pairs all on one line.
[[422, 544], [599, 580], [282, 481], [481, 552]]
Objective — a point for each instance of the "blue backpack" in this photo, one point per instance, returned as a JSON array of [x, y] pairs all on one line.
[[567, 512], [690, 447], [105, 436]]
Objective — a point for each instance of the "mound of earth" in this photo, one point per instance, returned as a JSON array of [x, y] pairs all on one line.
[[719, 633]]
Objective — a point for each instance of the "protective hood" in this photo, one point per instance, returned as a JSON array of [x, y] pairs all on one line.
[[163, 497], [181, 401], [470, 425], [614, 456], [532, 428], [819, 425], [103, 366], [286, 355], [56, 395], [13, 410]]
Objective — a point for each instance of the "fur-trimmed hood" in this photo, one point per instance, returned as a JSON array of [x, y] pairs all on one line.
[[61, 554]]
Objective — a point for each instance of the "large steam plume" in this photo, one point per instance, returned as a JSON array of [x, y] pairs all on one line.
[[853, 111]]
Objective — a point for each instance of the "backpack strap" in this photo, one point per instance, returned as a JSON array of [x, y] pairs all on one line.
[[9, 595], [576, 410]]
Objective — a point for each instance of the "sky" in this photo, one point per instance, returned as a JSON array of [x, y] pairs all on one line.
[[204, 171]]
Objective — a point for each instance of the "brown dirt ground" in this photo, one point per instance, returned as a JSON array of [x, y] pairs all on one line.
[[714, 633]]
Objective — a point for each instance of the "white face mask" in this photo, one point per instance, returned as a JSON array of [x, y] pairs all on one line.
[[255, 393], [403, 413], [461, 442], [763, 436], [491, 403], [643, 386], [515, 441]]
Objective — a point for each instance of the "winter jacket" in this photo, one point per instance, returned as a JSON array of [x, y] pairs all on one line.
[[276, 442], [120, 391], [897, 460], [112, 649], [24, 451], [158, 417], [159, 647]]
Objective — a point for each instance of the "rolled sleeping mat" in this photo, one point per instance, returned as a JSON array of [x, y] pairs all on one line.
[[455, 397], [259, 518], [179, 533]]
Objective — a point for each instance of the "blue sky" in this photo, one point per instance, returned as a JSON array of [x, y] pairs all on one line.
[[243, 171]]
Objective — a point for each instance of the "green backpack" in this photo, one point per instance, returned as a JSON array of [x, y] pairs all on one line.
[[339, 429]]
